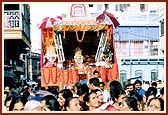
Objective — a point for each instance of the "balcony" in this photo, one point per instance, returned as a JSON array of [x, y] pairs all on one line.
[[12, 19], [16, 26]]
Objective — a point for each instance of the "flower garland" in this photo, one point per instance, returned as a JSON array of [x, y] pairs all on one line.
[[77, 29], [89, 25], [65, 28], [54, 81], [83, 26], [44, 78]]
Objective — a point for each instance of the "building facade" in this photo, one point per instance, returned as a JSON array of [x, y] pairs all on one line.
[[18, 62], [139, 39]]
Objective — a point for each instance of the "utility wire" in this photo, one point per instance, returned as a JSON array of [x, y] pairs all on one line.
[[150, 23], [139, 30]]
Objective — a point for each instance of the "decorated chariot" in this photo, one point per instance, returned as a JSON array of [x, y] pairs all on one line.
[[76, 45]]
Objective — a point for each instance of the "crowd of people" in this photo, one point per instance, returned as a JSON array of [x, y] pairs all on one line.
[[90, 96]]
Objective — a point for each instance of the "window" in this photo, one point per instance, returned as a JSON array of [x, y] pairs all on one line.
[[124, 48], [123, 76], [152, 11], [99, 7], [90, 5], [154, 75], [153, 48], [121, 7], [143, 7], [116, 7], [106, 6], [138, 73], [138, 45]]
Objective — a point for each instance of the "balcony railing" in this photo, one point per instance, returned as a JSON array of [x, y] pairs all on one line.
[[12, 19]]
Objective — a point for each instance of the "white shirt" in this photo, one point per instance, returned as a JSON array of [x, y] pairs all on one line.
[[106, 95]]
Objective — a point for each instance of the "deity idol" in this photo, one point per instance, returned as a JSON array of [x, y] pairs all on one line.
[[50, 57], [78, 58]]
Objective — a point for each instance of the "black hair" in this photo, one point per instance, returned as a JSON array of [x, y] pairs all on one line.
[[102, 83], [9, 98], [86, 99], [95, 71], [152, 91], [115, 85], [162, 91], [94, 81], [53, 90], [7, 93], [138, 81], [83, 89], [16, 99], [154, 84], [26, 93], [132, 103], [129, 84], [96, 90], [52, 103], [116, 93], [77, 84], [133, 92], [67, 102], [66, 93], [138, 97]]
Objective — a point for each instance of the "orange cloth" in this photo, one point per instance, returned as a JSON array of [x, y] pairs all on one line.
[[54, 76]]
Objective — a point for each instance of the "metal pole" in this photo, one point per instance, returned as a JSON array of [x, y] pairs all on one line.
[[26, 66], [30, 66]]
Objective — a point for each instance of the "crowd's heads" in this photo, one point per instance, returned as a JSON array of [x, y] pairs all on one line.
[[156, 104], [7, 101], [7, 88], [71, 87], [83, 89], [154, 84], [63, 95], [17, 103], [93, 82], [152, 90], [117, 95], [129, 104], [90, 101], [50, 103], [129, 87], [150, 93], [138, 84], [72, 104], [99, 95], [6, 94], [162, 93], [33, 105], [53, 90], [101, 85], [96, 73], [115, 85]]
